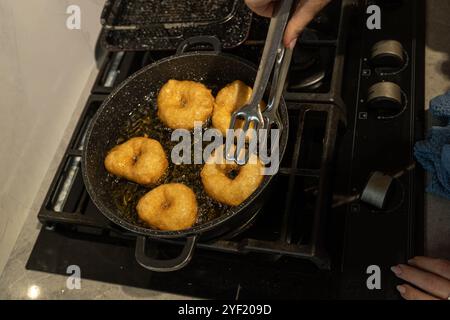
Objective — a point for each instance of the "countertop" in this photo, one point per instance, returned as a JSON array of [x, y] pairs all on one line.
[[18, 283], [44, 68]]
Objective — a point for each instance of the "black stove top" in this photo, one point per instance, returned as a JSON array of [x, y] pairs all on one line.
[[319, 229]]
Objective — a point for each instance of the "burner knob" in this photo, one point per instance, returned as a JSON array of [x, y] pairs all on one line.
[[377, 189], [388, 54], [386, 98]]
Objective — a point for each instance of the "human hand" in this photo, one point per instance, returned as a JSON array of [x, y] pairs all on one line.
[[304, 13], [430, 276]]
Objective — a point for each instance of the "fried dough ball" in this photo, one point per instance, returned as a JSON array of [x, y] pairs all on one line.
[[141, 160], [228, 182], [181, 103], [169, 207], [229, 99]]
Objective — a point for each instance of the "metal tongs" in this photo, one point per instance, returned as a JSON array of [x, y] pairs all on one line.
[[275, 58]]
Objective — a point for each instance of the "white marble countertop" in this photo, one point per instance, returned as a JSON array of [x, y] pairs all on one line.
[[18, 283], [44, 68]]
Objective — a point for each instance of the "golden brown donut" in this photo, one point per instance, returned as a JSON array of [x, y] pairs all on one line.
[[229, 183], [181, 103], [229, 99], [169, 207], [141, 160]]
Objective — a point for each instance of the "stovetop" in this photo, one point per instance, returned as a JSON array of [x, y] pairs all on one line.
[[315, 237]]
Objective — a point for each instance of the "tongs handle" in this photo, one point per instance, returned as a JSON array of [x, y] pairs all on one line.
[[280, 72], [278, 23]]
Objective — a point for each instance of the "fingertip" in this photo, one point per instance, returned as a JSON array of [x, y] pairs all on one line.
[[410, 293], [396, 270], [291, 36], [290, 42], [294, 29], [286, 42], [401, 289]]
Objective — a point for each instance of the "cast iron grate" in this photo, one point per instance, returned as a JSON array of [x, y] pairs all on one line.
[[291, 226]]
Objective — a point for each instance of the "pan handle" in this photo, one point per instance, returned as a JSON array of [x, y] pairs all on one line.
[[164, 265], [211, 40]]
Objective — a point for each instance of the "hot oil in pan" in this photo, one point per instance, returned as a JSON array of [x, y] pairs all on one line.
[[143, 121]]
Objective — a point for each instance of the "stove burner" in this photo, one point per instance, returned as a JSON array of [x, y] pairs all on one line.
[[309, 64], [308, 81]]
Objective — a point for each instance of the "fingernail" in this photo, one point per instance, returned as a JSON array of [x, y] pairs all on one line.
[[411, 261], [397, 270], [401, 289], [293, 43]]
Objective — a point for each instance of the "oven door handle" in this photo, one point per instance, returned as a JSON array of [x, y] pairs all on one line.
[[164, 265]]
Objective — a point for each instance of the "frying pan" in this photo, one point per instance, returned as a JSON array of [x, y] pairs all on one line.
[[213, 68]]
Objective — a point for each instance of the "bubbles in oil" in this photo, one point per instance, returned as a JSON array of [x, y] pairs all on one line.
[[143, 121]]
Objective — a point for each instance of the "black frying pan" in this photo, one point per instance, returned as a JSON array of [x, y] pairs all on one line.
[[213, 68]]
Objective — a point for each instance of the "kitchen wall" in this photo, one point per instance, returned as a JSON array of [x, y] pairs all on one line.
[[43, 69]]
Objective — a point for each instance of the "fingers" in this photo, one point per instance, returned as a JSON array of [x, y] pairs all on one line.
[[304, 13], [410, 293], [261, 7], [429, 282], [437, 266]]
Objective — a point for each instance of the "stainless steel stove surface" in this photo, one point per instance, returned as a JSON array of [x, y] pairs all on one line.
[[355, 103]]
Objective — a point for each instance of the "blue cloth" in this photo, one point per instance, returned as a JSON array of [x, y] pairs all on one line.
[[434, 153]]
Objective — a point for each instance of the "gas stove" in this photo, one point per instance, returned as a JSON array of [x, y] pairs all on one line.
[[348, 195]]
